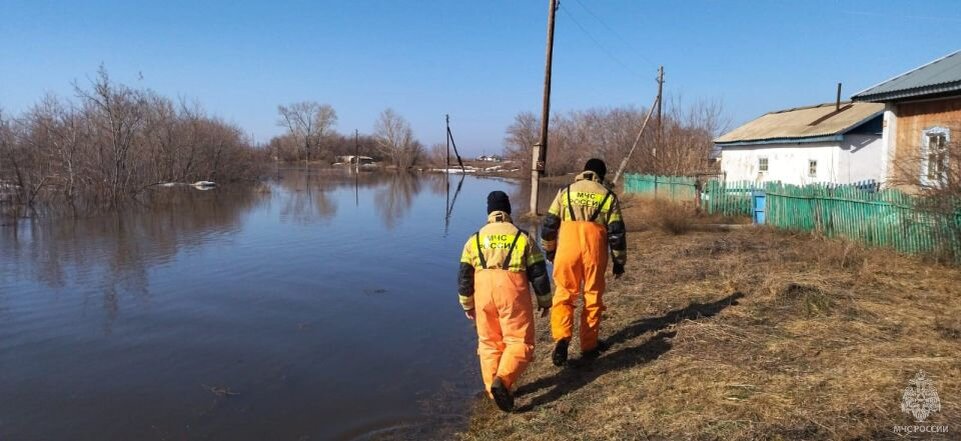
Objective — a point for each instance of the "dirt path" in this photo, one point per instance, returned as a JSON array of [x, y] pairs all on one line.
[[749, 334]]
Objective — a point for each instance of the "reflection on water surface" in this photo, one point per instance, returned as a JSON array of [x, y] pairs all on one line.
[[322, 305]]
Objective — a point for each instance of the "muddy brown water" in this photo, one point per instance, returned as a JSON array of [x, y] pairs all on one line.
[[320, 306]]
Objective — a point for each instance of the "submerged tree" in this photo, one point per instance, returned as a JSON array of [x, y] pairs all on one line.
[[309, 122], [112, 143], [396, 140]]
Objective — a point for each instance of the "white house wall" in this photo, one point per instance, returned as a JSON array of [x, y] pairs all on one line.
[[787, 163], [856, 158], [861, 158]]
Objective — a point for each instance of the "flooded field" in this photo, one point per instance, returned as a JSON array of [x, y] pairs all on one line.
[[320, 306]]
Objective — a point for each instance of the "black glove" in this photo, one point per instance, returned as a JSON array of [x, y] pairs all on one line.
[[618, 270], [550, 255]]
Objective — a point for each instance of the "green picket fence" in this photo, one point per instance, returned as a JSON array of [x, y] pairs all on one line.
[[887, 218], [675, 188], [728, 198]]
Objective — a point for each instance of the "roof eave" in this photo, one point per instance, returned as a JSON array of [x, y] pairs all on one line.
[[949, 89], [863, 92]]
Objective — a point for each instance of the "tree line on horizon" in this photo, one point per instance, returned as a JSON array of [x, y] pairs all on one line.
[[682, 146], [112, 143]]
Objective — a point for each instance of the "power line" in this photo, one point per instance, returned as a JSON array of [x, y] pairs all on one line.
[[913, 17], [615, 33], [599, 45]]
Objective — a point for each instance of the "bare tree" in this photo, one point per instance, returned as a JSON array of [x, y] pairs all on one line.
[[437, 155], [521, 136], [930, 168], [308, 121], [113, 144], [609, 133], [689, 133], [118, 114], [65, 134], [396, 139]]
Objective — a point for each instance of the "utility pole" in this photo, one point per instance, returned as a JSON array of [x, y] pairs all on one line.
[[630, 153], [539, 156], [660, 127], [447, 117], [452, 143], [356, 168]]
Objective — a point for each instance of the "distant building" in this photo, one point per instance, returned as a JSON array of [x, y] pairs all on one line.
[[922, 120], [490, 158], [835, 142], [352, 160]]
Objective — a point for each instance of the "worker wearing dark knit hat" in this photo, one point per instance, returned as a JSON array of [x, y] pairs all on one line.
[[583, 223], [597, 166], [498, 201], [499, 264]]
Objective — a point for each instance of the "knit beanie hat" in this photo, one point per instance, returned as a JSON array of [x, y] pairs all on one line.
[[498, 201], [597, 166]]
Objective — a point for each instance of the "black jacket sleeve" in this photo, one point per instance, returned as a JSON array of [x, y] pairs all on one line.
[[549, 230], [465, 280], [617, 236], [537, 275]]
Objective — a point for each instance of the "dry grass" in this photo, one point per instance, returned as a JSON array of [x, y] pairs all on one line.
[[748, 334], [675, 218], [672, 218]]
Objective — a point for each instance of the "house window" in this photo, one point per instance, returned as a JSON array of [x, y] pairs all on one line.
[[934, 156], [762, 164], [812, 168]]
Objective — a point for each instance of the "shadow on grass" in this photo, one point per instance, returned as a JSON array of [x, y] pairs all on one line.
[[693, 311], [581, 372]]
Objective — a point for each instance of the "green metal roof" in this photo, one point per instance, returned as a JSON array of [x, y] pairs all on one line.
[[939, 77]]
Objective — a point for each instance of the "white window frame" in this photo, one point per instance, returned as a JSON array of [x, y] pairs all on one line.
[[926, 157], [767, 164], [813, 162]]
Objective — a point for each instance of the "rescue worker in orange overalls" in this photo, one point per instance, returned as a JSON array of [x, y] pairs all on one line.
[[497, 264], [583, 223]]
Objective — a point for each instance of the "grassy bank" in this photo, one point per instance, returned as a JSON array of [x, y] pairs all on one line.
[[747, 334]]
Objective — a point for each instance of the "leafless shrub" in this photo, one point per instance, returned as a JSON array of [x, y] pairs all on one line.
[[113, 143], [929, 168]]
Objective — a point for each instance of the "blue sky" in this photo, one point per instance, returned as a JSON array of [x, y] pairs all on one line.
[[480, 61]]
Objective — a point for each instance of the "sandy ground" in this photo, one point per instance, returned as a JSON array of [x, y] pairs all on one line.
[[748, 334]]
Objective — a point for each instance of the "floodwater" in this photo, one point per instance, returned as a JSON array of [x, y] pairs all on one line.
[[320, 306]]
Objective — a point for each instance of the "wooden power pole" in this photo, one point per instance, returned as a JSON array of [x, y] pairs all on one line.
[[660, 100], [447, 118], [357, 149], [539, 156]]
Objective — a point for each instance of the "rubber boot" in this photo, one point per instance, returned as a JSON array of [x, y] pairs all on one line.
[[503, 397], [596, 352], [559, 356]]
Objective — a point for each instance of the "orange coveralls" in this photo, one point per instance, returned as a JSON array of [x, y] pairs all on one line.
[[583, 222], [497, 264]]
